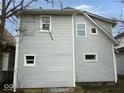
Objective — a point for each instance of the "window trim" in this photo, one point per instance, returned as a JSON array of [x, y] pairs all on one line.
[[25, 61], [84, 29], [93, 33], [46, 31], [96, 60]]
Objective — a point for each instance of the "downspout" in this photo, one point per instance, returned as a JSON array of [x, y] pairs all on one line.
[[115, 64], [73, 44], [16, 58]]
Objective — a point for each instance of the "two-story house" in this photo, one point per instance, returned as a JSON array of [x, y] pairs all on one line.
[[120, 53], [57, 48]]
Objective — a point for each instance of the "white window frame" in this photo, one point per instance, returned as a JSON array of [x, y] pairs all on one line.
[[80, 29], [85, 60], [93, 33], [46, 31], [25, 61]]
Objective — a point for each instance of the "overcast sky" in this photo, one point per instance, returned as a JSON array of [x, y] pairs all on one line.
[[106, 8]]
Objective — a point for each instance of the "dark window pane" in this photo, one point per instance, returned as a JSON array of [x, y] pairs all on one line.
[[29, 57], [30, 62], [90, 57], [93, 30], [45, 26]]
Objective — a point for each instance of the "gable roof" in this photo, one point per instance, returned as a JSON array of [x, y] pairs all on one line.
[[101, 28], [71, 11], [119, 35], [113, 22]]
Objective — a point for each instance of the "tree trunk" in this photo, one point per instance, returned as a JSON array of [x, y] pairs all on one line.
[[3, 19]]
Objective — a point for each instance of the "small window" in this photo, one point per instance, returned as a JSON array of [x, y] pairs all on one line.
[[81, 29], [90, 57], [29, 59], [45, 23], [5, 61], [94, 30]]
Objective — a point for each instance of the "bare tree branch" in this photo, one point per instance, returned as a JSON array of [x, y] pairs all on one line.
[[9, 2], [15, 10], [11, 7], [11, 10]]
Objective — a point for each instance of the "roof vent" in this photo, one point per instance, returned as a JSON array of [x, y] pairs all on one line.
[[68, 8]]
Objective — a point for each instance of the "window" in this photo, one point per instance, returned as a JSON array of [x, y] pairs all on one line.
[[29, 59], [90, 57], [45, 23], [81, 29], [5, 61], [93, 30]]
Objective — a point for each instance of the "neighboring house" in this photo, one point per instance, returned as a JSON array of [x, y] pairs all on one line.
[[120, 53], [58, 48], [7, 55]]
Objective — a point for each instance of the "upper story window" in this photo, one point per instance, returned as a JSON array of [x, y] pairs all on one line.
[[29, 59], [45, 23], [93, 30], [81, 29]]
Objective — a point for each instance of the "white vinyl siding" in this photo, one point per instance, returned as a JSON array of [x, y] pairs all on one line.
[[101, 70], [51, 55]]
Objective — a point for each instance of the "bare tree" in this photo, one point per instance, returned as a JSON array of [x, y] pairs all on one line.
[[119, 20], [11, 7], [8, 10]]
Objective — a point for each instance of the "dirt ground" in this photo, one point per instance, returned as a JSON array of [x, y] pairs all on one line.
[[104, 88], [111, 88]]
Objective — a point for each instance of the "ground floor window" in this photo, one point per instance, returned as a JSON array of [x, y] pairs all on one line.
[[29, 59]]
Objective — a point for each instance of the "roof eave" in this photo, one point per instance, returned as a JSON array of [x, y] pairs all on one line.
[[63, 12], [108, 35], [48, 12], [102, 18]]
